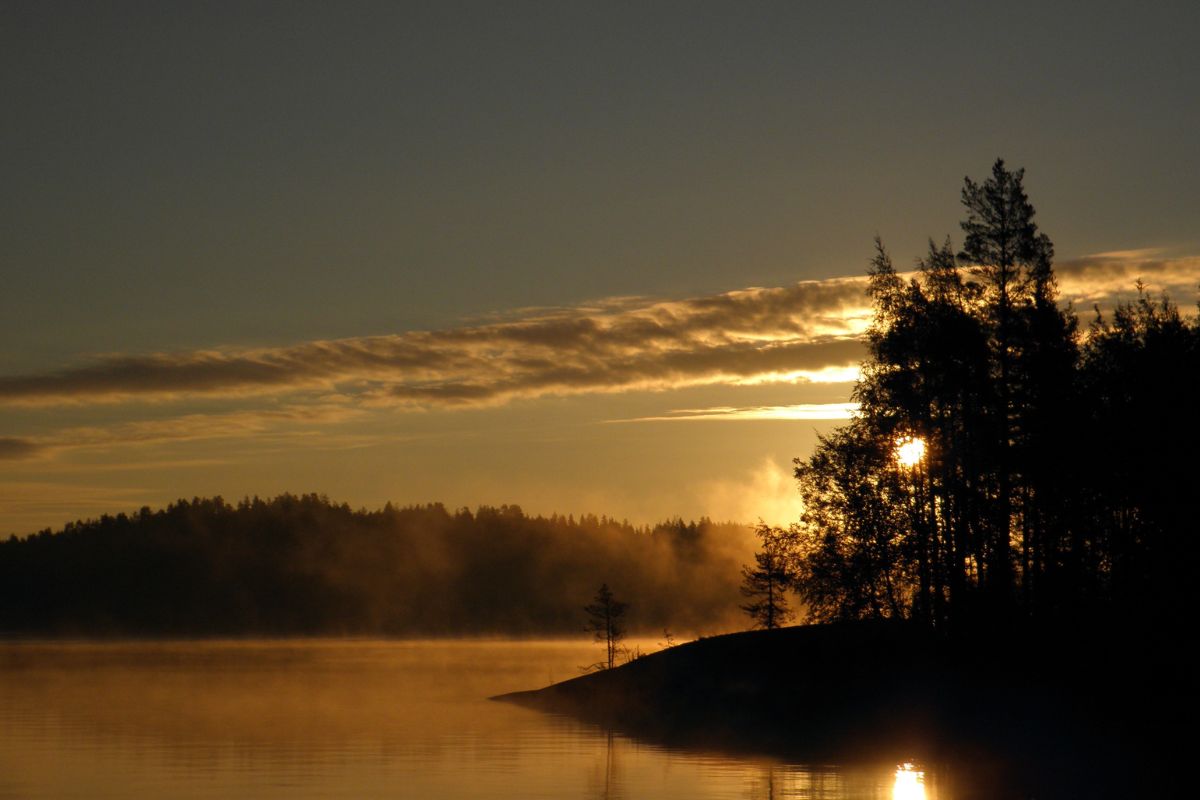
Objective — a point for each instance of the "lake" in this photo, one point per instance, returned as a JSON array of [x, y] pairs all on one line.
[[352, 718]]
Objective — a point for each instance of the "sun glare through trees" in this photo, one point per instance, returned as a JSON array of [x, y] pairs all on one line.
[[909, 451]]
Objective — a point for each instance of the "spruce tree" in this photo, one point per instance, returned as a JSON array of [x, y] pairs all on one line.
[[766, 585], [605, 623]]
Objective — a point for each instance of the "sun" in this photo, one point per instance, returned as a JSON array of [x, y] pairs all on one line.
[[910, 450]]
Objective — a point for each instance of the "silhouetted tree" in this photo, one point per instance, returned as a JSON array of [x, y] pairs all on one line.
[[1138, 509], [1030, 342], [766, 585], [852, 542], [1001, 518], [605, 623]]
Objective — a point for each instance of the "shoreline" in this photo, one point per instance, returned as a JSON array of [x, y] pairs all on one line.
[[884, 691]]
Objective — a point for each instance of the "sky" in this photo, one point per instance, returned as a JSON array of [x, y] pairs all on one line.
[[580, 257]]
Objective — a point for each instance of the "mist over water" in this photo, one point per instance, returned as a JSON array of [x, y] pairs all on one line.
[[348, 718], [304, 566]]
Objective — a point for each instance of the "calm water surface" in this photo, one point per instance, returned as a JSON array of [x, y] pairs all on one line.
[[363, 719]]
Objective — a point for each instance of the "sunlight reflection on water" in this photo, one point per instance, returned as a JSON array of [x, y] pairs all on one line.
[[909, 783], [308, 719]]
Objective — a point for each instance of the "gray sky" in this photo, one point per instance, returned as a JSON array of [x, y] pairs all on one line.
[[180, 177]]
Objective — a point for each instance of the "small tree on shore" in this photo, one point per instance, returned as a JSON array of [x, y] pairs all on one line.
[[605, 623], [767, 584]]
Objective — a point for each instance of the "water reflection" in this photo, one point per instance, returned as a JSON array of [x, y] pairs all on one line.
[[335, 718], [765, 788], [909, 783], [609, 783]]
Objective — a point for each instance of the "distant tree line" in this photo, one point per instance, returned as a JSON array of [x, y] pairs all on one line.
[[1050, 472], [298, 565]]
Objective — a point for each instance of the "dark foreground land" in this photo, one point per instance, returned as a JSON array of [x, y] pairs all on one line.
[[1045, 713]]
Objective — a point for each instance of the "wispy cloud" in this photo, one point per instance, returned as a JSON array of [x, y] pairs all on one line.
[[1103, 278], [810, 331], [12, 447], [288, 421], [733, 337], [25, 505], [801, 411]]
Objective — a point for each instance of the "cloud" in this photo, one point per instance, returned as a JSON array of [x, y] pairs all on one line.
[[189, 427], [802, 411], [26, 505], [732, 337], [1104, 278], [810, 331], [12, 448], [286, 421]]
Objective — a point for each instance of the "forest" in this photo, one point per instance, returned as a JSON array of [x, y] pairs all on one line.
[[302, 565], [1009, 462]]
